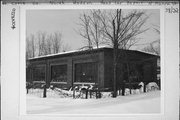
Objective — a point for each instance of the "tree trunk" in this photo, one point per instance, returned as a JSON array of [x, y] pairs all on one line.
[[128, 77], [114, 81], [44, 92], [115, 69]]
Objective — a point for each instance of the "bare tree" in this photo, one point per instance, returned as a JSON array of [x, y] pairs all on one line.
[[96, 29], [120, 30], [66, 47], [154, 47], [43, 44], [56, 42], [28, 49], [91, 28], [30, 46], [41, 37], [84, 31], [49, 44]]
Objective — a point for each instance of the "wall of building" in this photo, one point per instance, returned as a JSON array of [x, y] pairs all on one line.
[[108, 69], [104, 60], [145, 65], [70, 61]]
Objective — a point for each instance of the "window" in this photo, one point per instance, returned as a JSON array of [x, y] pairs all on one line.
[[86, 72], [39, 73], [59, 73]]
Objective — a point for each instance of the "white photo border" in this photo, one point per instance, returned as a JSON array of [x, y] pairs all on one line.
[[14, 105]]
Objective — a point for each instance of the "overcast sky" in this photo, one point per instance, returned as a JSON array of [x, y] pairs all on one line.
[[65, 21]]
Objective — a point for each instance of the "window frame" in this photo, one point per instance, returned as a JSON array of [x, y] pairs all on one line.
[[51, 75], [93, 71]]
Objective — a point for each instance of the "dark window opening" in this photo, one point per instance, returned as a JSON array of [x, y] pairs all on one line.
[[132, 72], [39, 73], [59, 73], [86, 72]]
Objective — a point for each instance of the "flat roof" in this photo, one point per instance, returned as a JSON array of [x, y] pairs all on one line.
[[81, 51]]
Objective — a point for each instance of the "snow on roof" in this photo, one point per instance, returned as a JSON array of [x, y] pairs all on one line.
[[72, 51], [147, 52], [61, 53], [78, 50]]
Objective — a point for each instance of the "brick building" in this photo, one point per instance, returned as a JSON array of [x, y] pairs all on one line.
[[92, 67]]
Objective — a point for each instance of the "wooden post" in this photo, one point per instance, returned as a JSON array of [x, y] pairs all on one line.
[[123, 88], [99, 94], [46, 79], [90, 93], [44, 92], [86, 94], [27, 86], [144, 86], [27, 90], [130, 89], [74, 92], [96, 94]]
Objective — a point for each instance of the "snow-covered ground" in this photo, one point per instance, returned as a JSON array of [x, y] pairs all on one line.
[[137, 104]]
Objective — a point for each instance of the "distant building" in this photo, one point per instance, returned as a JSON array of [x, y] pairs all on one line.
[[92, 67]]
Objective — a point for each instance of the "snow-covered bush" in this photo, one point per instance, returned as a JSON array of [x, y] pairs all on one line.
[[152, 86], [106, 94]]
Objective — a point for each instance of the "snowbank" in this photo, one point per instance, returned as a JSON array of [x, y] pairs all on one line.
[[60, 93], [136, 104]]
